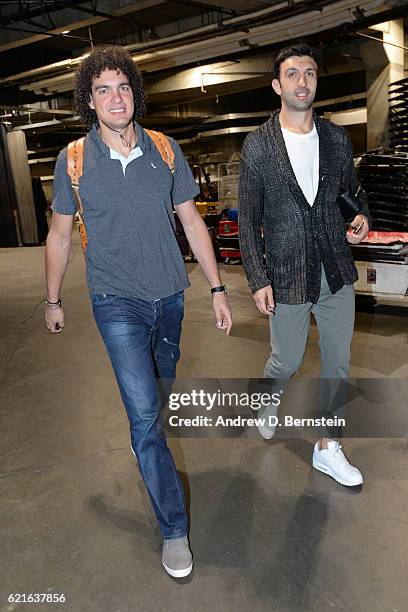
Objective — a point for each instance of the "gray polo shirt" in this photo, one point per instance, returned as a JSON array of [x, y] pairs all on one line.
[[132, 247]]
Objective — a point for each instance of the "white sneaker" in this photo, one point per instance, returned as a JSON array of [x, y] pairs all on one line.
[[177, 558], [331, 461]]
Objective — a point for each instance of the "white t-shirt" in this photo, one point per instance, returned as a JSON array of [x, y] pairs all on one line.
[[134, 153], [303, 151]]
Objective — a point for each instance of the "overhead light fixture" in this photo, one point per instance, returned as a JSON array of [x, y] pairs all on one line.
[[66, 31]]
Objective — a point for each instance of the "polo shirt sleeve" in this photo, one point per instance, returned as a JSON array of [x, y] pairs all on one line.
[[184, 186], [63, 201]]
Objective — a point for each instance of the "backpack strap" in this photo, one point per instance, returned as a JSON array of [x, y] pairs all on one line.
[[164, 147], [75, 160]]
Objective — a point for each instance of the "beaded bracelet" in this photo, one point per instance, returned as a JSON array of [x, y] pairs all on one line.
[[53, 305]]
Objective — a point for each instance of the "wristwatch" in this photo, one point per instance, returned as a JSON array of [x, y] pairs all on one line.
[[53, 305], [219, 289]]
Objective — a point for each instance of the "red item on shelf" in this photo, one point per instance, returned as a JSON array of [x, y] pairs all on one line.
[[228, 228], [231, 254], [385, 237]]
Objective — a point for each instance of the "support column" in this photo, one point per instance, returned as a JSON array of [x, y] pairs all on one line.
[[20, 168], [8, 234], [384, 65]]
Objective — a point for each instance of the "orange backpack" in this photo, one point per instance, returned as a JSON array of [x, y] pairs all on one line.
[[75, 159]]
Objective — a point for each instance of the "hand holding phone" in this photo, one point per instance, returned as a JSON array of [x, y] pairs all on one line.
[[356, 229]]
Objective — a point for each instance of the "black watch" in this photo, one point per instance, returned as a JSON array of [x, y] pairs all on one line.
[[219, 289], [54, 304]]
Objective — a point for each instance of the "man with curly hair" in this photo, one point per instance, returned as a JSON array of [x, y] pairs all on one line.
[[135, 272]]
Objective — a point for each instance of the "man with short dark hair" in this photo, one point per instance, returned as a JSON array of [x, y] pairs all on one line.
[[293, 169], [135, 272]]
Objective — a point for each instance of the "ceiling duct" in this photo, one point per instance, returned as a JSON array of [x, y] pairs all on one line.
[[310, 22]]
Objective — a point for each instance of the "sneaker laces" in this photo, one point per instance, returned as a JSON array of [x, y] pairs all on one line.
[[339, 456]]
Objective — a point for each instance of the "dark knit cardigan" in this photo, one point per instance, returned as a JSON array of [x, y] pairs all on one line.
[[298, 237]]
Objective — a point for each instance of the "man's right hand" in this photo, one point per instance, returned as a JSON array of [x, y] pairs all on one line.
[[54, 319], [264, 300]]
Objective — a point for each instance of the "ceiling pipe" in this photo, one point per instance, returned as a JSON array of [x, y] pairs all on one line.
[[344, 5], [70, 63], [263, 35], [79, 25]]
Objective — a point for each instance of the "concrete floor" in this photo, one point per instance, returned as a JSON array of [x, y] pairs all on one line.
[[267, 531]]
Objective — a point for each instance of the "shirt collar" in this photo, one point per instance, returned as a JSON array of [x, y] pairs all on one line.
[[133, 154], [104, 151]]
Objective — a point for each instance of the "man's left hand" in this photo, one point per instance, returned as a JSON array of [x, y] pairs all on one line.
[[222, 311], [359, 223]]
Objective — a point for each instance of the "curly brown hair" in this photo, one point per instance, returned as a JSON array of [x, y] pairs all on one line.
[[106, 58]]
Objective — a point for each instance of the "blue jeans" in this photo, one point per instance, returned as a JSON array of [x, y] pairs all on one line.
[[142, 339]]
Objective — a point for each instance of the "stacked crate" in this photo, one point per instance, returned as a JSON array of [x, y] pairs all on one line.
[[385, 179], [398, 114]]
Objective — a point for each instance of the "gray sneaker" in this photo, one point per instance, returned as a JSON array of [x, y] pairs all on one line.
[[177, 558], [267, 421]]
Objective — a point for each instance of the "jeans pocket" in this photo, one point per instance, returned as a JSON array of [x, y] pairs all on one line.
[[175, 301], [103, 299]]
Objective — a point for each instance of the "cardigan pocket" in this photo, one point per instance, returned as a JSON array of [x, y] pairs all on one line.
[[279, 271]]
